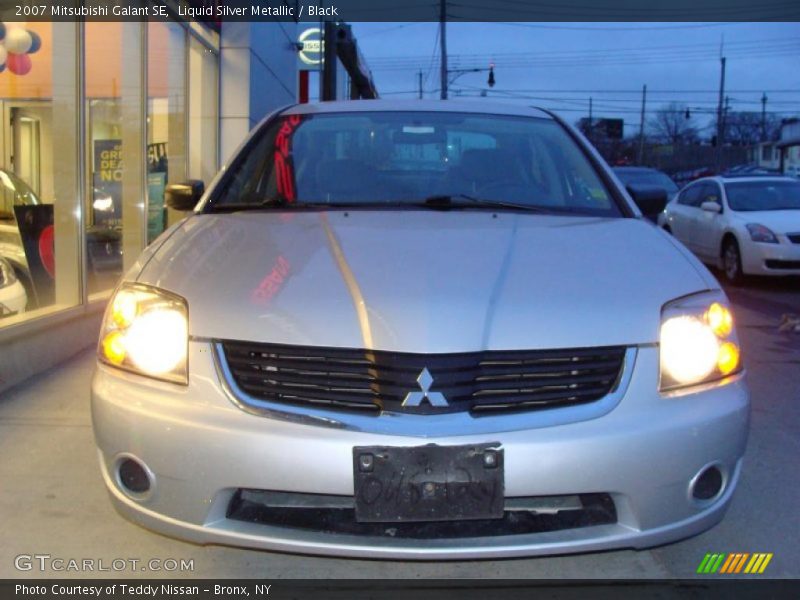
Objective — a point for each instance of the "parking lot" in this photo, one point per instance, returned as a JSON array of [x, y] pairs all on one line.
[[53, 502]]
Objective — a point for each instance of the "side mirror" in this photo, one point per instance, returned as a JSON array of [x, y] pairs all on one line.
[[711, 206], [184, 196], [651, 199]]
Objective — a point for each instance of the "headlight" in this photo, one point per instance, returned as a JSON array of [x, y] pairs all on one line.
[[145, 330], [759, 233], [7, 274], [698, 341]]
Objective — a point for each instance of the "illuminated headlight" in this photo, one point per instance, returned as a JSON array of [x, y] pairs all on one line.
[[145, 330], [698, 341]]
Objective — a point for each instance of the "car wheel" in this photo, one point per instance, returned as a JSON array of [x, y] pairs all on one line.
[[732, 262]]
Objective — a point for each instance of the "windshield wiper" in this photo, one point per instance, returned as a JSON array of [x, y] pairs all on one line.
[[445, 201], [436, 202]]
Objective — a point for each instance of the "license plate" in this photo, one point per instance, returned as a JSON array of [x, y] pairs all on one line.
[[428, 483]]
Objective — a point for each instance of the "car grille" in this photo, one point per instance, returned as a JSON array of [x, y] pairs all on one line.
[[782, 264], [335, 515], [794, 238], [374, 381]]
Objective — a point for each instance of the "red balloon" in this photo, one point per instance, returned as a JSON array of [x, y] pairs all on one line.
[[19, 64]]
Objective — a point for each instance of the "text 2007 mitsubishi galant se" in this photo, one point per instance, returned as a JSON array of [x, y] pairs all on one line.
[[419, 330]]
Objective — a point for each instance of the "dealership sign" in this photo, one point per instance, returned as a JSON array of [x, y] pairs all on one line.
[[310, 42]]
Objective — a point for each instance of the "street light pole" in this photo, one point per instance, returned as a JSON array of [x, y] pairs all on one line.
[[443, 47], [720, 116], [764, 117], [641, 126]]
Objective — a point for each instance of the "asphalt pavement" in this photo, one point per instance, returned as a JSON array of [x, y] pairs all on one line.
[[53, 502]]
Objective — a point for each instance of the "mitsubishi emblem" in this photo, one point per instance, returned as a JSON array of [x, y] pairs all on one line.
[[425, 380]]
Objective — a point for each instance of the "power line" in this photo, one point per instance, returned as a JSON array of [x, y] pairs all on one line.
[[388, 29], [433, 55], [478, 92], [649, 91], [611, 13], [599, 63], [724, 6], [635, 26], [712, 45], [758, 42], [597, 58]]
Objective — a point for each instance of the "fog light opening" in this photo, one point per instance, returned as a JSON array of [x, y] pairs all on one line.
[[133, 476], [707, 484]]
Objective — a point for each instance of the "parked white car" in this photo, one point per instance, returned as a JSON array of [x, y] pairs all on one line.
[[742, 225]]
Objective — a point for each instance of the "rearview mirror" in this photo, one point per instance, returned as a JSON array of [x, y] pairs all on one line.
[[651, 199], [184, 196], [711, 206]]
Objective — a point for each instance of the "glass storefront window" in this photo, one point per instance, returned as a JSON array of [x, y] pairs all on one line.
[[166, 120], [114, 144], [203, 111], [39, 185], [90, 164]]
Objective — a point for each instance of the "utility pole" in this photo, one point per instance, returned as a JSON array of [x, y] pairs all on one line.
[[443, 46], [641, 126], [419, 76], [720, 116], [764, 117], [725, 112], [590, 113]]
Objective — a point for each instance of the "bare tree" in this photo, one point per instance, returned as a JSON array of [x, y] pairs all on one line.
[[671, 125], [745, 128]]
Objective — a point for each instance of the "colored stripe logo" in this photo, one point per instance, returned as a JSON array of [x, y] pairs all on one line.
[[733, 563]]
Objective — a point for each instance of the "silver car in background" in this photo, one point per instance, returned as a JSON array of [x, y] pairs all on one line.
[[423, 330]]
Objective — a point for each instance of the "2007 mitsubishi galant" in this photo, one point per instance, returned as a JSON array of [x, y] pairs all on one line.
[[419, 330]]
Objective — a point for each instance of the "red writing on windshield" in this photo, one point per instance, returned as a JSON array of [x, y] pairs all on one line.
[[284, 173]]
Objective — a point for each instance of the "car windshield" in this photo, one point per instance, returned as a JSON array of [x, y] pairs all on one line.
[[397, 159], [648, 178], [750, 196]]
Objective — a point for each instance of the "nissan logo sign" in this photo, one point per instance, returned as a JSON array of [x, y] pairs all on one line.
[[311, 46]]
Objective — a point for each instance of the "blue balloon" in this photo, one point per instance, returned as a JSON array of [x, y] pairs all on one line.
[[36, 42], [2, 67], [2, 31]]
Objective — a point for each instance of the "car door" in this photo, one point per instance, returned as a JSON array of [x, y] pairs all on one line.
[[708, 226], [682, 213]]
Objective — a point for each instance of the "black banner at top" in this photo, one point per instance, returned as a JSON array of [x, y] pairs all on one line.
[[216, 11]]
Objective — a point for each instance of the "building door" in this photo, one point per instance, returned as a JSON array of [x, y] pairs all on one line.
[[27, 131]]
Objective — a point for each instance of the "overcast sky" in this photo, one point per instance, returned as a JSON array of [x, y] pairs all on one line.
[[561, 65]]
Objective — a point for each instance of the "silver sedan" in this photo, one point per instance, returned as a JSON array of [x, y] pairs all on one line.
[[419, 330]]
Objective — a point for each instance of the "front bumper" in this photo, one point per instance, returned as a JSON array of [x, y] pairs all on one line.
[[200, 448], [771, 259]]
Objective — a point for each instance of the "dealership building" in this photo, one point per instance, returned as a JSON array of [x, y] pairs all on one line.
[[98, 117]]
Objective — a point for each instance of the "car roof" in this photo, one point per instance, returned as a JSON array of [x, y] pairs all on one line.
[[449, 106], [635, 170], [749, 178]]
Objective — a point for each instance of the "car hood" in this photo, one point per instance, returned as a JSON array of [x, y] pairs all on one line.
[[422, 281], [779, 221]]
